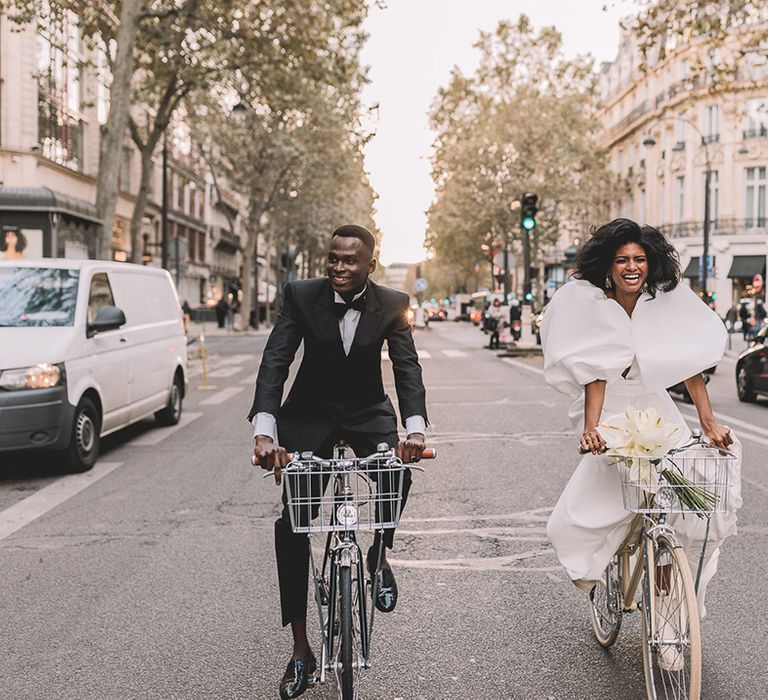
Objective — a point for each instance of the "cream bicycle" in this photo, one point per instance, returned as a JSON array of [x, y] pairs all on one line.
[[671, 635]]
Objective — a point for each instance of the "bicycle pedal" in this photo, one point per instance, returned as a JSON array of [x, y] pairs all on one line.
[[313, 680]]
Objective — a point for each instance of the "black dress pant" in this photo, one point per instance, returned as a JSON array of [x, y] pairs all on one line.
[[292, 549]]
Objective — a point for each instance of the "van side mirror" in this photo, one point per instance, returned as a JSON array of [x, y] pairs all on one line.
[[107, 319]]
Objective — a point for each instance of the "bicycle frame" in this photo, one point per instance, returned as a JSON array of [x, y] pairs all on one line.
[[342, 550]]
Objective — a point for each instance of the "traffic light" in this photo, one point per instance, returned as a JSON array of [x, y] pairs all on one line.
[[528, 296], [528, 211]]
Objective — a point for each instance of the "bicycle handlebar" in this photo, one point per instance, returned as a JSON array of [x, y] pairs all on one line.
[[428, 453]]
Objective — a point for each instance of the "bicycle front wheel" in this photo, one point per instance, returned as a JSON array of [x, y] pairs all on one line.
[[671, 633], [346, 652], [605, 605]]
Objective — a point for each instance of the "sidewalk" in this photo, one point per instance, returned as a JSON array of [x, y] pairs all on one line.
[[211, 329]]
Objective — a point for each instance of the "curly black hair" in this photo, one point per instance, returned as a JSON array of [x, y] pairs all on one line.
[[595, 257]]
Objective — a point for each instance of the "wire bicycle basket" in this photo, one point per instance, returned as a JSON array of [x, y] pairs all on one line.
[[362, 495], [693, 479]]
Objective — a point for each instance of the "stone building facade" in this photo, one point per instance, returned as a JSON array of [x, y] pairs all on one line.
[[664, 128]]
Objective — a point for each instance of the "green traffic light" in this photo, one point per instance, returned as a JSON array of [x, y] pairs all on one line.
[[528, 223], [528, 295]]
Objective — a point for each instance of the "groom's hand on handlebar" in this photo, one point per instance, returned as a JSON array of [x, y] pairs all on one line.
[[411, 449], [269, 455]]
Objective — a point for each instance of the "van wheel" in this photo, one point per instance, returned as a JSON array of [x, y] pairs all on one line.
[[171, 414], [743, 386], [83, 450]]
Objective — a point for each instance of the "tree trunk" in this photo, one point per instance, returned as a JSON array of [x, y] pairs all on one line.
[[141, 204], [113, 132]]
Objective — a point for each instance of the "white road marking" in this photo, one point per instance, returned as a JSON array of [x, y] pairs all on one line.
[[522, 365], [454, 353], [248, 381], [233, 359], [225, 371], [156, 436], [32, 507], [748, 430], [423, 354], [221, 396]]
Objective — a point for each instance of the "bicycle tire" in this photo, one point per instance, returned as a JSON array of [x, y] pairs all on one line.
[[676, 612], [605, 605], [346, 651]]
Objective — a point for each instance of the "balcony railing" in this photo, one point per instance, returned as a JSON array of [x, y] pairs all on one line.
[[719, 227], [759, 133], [711, 138]]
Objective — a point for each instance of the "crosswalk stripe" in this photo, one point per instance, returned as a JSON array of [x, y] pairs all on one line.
[[48, 497], [221, 396], [454, 353], [225, 371], [423, 354]]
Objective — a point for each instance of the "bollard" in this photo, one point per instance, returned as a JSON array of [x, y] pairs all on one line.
[[205, 385]]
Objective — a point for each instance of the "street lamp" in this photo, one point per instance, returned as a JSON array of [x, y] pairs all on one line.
[[649, 141]]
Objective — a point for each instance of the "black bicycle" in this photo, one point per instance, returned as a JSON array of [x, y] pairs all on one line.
[[367, 494]]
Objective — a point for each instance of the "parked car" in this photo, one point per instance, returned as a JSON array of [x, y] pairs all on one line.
[[86, 348], [752, 368]]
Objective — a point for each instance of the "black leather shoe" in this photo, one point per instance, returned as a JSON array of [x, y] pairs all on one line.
[[386, 597], [296, 677]]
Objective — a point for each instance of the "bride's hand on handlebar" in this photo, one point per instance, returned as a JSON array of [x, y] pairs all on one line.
[[717, 434], [591, 441]]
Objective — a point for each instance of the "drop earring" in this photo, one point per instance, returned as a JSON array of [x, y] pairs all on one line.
[[608, 283]]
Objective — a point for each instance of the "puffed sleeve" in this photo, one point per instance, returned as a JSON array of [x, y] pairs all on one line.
[[676, 336], [585, 336]]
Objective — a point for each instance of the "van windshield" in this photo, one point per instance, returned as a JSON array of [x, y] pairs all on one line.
[[37, 296]]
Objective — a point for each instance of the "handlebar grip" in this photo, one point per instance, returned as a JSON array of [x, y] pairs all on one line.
[[257, 463], [429, 453]]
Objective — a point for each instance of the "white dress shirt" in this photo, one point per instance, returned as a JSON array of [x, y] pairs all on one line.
[[266, 423]]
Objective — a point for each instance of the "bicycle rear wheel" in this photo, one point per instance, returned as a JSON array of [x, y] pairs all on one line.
[[672, 644], [346, 651], [605, 605]]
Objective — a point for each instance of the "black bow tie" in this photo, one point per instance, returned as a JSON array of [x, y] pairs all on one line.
[[340, 308]]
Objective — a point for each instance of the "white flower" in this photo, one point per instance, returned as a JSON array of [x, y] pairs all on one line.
[[639, 434]]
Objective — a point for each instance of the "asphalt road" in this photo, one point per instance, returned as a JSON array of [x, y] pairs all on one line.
[[154, 575]]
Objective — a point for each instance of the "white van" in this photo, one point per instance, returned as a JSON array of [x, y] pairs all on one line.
[[86, 347]]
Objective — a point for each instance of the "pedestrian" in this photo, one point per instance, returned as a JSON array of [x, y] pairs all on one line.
[[616, 353], [744, 317], [495, 323], [222, 311], [343, 320], [760, 315], [186, 313], [730, 318]]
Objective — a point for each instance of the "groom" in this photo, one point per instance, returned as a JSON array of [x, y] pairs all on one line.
[[343, 320]]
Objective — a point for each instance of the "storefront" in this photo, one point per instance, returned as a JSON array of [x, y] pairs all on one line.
[[52, 225], [742, 272]]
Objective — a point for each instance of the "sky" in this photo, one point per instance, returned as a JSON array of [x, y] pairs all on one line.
[[412, 47]]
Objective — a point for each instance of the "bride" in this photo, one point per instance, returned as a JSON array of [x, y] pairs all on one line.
[[618, 335]]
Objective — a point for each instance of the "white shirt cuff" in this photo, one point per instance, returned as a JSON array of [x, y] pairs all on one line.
[[415, 424], [265, 424]]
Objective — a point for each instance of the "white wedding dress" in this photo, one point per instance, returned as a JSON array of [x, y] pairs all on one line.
[[588, 336]]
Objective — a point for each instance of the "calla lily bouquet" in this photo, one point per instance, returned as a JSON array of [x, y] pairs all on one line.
[[641, 439]]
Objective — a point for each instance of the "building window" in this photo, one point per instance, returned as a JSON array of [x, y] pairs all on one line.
[[714, 195], [680, 134], [711, 123], [679, 198], [60, 130], [755, 200], [756, 125]]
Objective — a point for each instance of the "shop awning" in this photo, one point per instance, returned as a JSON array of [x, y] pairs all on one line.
[[45, 199], [692, 271], [747, 266]]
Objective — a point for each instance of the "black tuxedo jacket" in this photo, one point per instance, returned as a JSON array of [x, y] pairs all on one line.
[[333, 390]]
